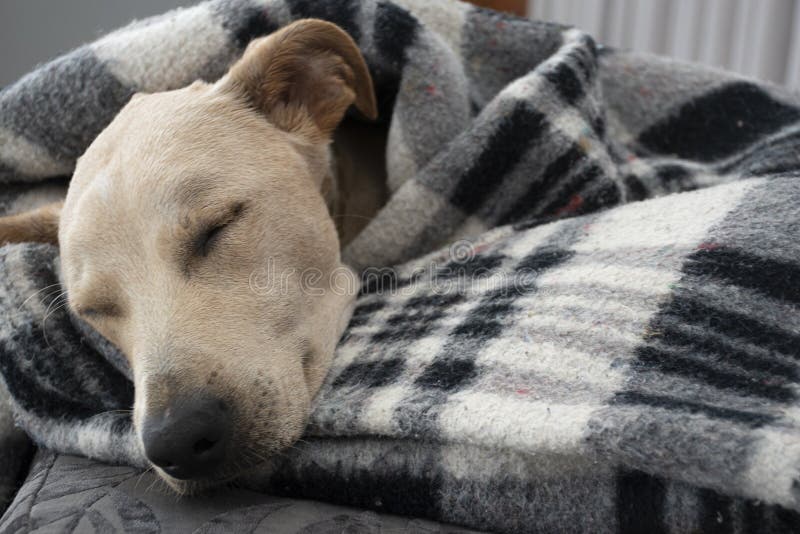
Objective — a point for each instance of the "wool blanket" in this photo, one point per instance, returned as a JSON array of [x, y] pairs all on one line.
[[579, 307]]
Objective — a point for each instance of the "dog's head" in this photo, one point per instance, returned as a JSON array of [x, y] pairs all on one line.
[[195, 236]]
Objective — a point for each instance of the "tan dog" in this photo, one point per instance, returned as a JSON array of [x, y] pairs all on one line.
[[176, 205]]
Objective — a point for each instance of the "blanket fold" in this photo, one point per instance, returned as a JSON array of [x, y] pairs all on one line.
[[547, 338]]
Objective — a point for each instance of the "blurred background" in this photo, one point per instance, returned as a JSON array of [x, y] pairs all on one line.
[[759, 38], [34, 31]]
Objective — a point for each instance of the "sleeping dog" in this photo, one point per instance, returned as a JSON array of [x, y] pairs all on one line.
[[175, 206]]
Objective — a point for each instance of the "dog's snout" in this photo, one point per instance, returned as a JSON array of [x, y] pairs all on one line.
[[189, 438]]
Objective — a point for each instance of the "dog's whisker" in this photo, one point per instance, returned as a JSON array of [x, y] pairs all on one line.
[[156, 480], [24, 302], [58, 300], [48, 313], [141, 475], [58, 292], [256, 455], [61, 294], [61, 298]]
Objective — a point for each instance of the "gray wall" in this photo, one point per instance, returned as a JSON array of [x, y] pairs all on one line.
[[34, 31]]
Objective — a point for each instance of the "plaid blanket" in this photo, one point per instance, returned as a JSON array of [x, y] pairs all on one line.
[[540, 343]]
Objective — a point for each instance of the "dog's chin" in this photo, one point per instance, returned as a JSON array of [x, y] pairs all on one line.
[[187, 487], [224, 477], [196, 485]]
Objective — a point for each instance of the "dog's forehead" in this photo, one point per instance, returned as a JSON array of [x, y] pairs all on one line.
[[168, 144]]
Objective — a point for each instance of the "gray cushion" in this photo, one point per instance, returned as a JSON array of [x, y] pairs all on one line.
[[70, 494]]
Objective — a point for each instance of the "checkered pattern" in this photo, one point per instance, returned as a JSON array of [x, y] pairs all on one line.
[[563, 363]]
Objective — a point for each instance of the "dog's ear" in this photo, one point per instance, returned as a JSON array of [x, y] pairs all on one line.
[[304, 77], [39, 225]]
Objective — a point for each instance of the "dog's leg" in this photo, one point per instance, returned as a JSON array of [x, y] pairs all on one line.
[[39, 225]]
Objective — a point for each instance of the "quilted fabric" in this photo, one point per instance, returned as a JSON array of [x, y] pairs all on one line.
[[575, 354]]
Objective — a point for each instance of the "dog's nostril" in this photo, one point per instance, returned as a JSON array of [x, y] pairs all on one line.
[[203, 445]]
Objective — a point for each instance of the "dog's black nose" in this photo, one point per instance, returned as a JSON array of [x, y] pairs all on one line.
[[189, 438]]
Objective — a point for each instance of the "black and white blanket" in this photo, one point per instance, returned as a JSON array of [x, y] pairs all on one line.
[[524, 356]]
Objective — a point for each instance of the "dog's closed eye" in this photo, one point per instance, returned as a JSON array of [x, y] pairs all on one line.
[[210, 235], [207, 239], [97, 311]]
